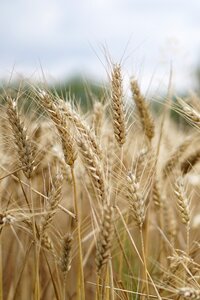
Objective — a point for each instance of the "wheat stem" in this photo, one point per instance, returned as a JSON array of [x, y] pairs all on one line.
[[78, 219]]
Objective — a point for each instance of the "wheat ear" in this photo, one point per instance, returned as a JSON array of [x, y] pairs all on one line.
[[84, 131], [175, 158], [189, 112], [143, 110], [25, 148], [136, 201], [118, 106], [94, 169], [104, 240], [183, 207], [182, 201], [66, 254], [60, 122]]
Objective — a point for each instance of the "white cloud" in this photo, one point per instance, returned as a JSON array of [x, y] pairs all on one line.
[[59, 34]]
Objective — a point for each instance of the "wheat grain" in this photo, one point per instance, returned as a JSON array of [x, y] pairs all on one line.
[[105, 236], [144, 113], [118, 106], [25, 148]]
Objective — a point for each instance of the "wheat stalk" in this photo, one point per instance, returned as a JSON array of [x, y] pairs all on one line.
[[60, 122], [175, 158], [66, 258], [94, 169], [105, 237], [143, 110], [83, 129], [25, 148], [118, 106], [135, 199]]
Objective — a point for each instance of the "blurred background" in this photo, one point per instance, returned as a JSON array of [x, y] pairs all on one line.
[[62, 41]]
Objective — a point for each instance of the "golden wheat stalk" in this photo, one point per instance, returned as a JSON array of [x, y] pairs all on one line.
[[83, 129], [66, 258], [25, 147], [136, 201], [182, 201], [105, 237], [94, 168], [175, 158], [143, 110], [61, 124], [118, 105]]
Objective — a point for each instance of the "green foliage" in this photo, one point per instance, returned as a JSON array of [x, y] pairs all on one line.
[[82, 92]]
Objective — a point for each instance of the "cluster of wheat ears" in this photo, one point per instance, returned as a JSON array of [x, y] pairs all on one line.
[[99, 205]]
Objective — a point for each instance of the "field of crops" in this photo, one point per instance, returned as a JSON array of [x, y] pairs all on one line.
[[102, 204]]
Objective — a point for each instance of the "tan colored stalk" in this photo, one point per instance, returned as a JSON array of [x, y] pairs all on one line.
[[140, 162], [119, 125], [56, 113], [81, 283], [66, 259], [61, 124], [183, 208], [47, 244], [83, 129], [137, 252], [104, 240], [104, 245], [25, 148], [94, 168], [143, 110], [137, 211], [136, 201], [26, 153], [189, 113]]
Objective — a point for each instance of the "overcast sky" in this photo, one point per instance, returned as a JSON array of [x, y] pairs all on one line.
[[68, 37]]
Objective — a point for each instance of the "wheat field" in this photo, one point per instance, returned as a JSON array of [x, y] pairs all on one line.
[[102, 204]]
